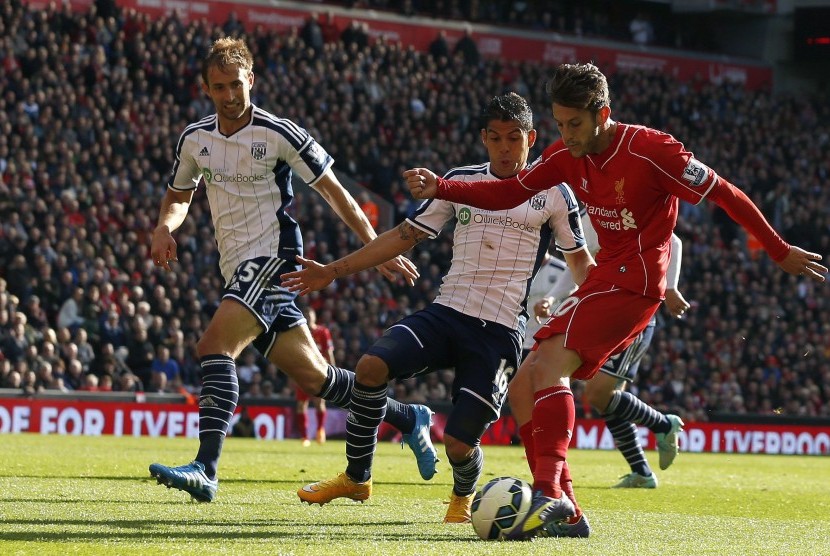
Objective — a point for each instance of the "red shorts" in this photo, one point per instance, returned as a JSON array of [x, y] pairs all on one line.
[[598, 321], [300, 394]]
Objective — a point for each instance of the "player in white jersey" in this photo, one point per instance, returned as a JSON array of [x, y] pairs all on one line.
[[246, 158], [475, 324], [546, 278], [605, 392]]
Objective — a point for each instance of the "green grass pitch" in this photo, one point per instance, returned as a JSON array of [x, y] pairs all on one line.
[[93, 495]]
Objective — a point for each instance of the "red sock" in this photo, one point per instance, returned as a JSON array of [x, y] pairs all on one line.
[[553, 423], [302, 425], [321, 419], [567, 486], [526, 434]]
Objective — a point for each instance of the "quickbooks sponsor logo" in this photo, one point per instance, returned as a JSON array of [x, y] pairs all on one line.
[[464, 216], [219, 177], [505, 221]]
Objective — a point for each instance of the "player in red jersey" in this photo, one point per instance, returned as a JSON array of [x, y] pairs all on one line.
[[631, 179], [322, 337]]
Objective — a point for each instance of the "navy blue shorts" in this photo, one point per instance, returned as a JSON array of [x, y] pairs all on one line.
[[485, 355], [624, 365], [257, 285]]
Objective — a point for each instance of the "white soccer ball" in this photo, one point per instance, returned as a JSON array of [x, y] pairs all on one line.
[[500, 506]]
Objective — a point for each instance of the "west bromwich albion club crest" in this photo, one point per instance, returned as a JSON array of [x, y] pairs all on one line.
[[537, 202], [258, 150]]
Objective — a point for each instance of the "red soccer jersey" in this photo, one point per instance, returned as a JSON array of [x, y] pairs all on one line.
[[322, 337], [631, 192]]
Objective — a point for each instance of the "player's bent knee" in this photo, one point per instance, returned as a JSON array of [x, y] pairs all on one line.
[[371, 371], [457, 450]]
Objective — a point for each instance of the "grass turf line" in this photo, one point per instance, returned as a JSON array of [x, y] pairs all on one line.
[[93, 495]]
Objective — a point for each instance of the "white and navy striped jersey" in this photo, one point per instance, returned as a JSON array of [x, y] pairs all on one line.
[[545, 278], [248, 181], [496, 253]]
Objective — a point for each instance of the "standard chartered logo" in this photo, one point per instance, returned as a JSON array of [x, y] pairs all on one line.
[[628, 219], [219, 177], [464, 215]]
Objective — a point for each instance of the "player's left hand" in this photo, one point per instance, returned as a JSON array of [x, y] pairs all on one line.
[[313, 277], [399, 265], [803, 263], [676, 303], [541, 309]]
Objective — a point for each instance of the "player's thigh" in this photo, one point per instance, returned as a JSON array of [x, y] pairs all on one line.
[[230, 330], [551, 363], [599, 389], [293, 352], [486, 361], [417, 344]]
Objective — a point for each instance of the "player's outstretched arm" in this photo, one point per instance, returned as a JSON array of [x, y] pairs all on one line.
[[173, 211], [342, 202], [387, 246], [790, 258]]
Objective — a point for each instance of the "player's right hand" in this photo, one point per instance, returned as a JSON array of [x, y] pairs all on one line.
[[422, 183], [313, 277], [163, 248]]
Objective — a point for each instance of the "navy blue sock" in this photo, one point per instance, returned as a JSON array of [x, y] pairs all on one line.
[[217, 402], [400, 415], [629, 407], [465, 474], [625, 436], [337, 390], [365, 415]]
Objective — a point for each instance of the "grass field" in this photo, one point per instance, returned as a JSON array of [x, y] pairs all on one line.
[[93, 495]]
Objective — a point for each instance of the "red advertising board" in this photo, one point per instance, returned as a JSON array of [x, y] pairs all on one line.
[[18, 415], [547, 48]]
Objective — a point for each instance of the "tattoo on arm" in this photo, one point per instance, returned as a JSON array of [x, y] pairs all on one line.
[[341, 269], [408, 232]]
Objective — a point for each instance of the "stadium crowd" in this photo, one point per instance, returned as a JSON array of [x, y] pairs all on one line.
[[90, 113], [638, 21]]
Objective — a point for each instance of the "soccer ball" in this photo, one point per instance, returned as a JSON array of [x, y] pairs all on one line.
[[500, 506]]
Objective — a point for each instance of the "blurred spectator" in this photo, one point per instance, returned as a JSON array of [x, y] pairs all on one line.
[[70, 311], [642, 31], [467, 47], [369, 208], [244, 427], [439, 48], [164, 369], [312, 33]]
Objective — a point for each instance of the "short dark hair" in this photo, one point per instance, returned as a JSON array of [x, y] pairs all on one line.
[[508, 107], [580, 86], [226, 52]]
